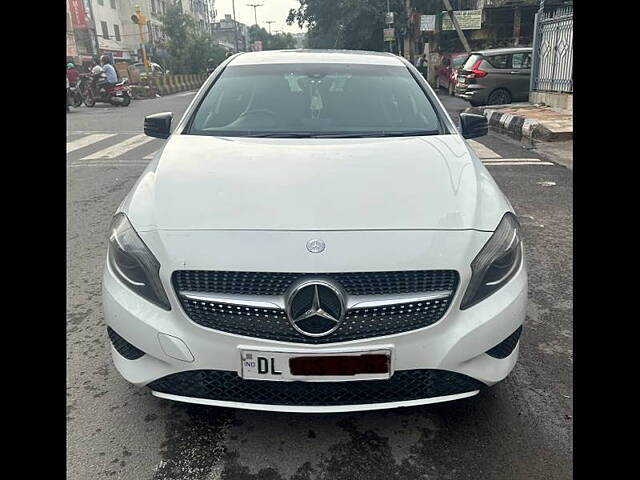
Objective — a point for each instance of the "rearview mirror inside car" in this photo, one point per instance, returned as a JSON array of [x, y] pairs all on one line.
[[473, 125], [158, 125]]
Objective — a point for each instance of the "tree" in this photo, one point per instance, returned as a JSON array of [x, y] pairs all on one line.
[[280, 41], [352, 24], [189, 50]]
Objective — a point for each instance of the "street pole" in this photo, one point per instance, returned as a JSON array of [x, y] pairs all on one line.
[[270, 22], [454, 20], [95, 31], [141, 23], [235, 26], [255, 10]]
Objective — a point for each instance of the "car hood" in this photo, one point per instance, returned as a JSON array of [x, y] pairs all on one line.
[[232, 183]]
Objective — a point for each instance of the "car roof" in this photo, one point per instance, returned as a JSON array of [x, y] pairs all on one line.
[[317, 56], [502, 51]]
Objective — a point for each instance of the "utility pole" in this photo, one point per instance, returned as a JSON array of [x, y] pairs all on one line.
[[270, 22], [95, 29], [454, 20], [235, 25], [255, 10], [141, 21]]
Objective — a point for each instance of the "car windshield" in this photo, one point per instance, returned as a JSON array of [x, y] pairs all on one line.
[[315, 100]]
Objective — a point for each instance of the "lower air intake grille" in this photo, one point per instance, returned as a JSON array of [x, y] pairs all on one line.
[[123, 347], [504, 348], [228, 386]]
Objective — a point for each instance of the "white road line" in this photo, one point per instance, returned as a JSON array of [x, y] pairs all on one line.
[[108, 164], [121, 148], [86, 141], [150, 156], [482, 151], [515, 163]]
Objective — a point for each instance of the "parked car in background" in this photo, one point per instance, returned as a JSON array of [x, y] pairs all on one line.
[[447, 71], [495, 77]]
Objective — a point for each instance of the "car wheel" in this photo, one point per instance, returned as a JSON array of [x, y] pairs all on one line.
[[499, 97]]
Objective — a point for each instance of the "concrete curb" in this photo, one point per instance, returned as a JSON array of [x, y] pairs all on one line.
[[518, 127]]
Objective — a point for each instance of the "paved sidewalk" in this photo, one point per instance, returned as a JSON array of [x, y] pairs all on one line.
[[529, 122]]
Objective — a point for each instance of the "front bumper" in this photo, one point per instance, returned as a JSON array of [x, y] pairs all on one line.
[[175, 346]]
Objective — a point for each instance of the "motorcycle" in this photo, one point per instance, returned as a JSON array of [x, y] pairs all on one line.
[[75, 97], [118, 94]]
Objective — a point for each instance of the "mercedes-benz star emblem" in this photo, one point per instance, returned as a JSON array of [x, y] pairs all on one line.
[[315, 308], [315, 246]]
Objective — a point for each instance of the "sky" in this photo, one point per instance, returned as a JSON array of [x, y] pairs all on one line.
[[276, 10]]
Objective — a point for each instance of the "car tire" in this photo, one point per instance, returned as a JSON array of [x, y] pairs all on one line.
[[500, 96]]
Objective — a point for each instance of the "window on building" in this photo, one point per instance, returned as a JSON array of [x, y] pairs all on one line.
[[116, 32], [100, 2], [153, 6], [105, 30], [113, 4]]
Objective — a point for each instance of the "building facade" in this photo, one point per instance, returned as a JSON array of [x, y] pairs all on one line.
[[224, 33]]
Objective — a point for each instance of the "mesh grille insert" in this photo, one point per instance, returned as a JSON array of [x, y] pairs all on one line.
[[355, 283], [228, 386], [504, 348], [123, 347]]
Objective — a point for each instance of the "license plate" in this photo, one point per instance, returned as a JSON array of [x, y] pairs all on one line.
[[335, 366]]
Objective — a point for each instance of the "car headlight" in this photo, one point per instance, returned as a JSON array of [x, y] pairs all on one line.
[[133, 263], [497, 262]]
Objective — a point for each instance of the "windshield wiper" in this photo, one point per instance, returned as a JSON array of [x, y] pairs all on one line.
[[280, 135], [400, 133]]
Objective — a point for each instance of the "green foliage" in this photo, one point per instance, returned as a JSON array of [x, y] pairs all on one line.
[[280, 41], [189, 50], [351, 24]]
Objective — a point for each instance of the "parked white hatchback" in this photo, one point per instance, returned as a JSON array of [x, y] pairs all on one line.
[[315, 236]]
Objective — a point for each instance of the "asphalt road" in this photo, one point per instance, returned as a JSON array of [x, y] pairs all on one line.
[[519, 429]]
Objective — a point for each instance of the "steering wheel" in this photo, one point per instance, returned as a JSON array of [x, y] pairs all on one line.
[[258, 111]]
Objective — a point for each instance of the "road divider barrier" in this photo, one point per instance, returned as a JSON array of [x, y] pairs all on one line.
[[168, 84]]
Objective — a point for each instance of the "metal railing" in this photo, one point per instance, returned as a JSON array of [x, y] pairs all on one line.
[[552, 68]]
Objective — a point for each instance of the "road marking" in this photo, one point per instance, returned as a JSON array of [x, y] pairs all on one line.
[[121, 148], [109, 164], [482, 150], [520, 162], [86, 141], [151, 155]]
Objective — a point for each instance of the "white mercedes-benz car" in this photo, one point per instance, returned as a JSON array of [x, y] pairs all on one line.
[[315, 236]]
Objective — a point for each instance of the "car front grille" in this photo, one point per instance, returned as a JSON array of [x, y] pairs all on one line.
[[273, 324], [402, 386], [355, 283]]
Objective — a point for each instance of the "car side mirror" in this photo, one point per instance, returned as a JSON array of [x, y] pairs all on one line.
[[473, 125], [158, 125]]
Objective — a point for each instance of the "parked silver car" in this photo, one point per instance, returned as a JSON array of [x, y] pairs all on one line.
[[495, 77]]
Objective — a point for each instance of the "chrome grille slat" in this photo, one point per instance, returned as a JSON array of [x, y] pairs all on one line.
[[262, 316]]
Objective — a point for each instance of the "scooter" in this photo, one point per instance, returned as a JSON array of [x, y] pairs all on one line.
[[118, 94], [75, 97]]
